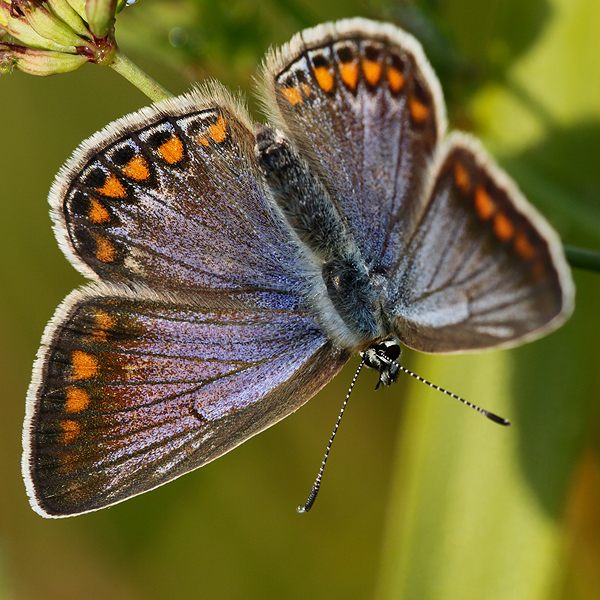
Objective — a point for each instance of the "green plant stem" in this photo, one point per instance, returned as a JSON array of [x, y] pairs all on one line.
[[122, 65], [583, 258]]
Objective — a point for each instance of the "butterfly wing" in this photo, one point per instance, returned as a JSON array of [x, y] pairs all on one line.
[[363, 105], [131, 391], [483, 268], [199, 334], [171, 197]]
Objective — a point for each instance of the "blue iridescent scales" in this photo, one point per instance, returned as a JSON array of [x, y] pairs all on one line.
[[236, 268], [120, 218], [138, 392]]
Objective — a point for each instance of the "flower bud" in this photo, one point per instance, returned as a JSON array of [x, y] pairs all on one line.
[[38, 62], [17, 26], [44, 23], [68, 15], [56, 36], [79, 7], [100, 16]]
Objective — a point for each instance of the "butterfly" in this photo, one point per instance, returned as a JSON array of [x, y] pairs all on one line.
[[236, 267]]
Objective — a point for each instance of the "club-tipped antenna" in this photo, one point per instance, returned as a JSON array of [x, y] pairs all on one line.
[[486, 413], [304, 508], [312, 496]]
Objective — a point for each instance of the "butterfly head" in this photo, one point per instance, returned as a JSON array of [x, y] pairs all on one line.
[[383, 357]]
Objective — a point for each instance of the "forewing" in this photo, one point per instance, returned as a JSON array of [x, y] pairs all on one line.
[[483, 268], [363, 105], [171, 197], [130, 391]]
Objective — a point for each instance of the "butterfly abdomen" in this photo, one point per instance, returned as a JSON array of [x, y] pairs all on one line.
[[301, 196]]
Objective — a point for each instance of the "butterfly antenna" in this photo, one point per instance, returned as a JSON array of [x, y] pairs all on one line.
[[485, 413], [304, 508]]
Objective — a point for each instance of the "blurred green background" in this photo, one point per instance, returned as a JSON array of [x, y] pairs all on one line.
[[423, 499]]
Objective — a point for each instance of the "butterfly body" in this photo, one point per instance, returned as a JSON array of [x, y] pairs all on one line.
[[355, 294], [237, 267]]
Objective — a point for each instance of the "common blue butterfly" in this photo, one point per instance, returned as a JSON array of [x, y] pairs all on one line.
[[237, 267]]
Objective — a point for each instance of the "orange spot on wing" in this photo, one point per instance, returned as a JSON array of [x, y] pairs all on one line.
[[104, 323], [349, 74], [77, 400], [171, 150], [523, 246], [137, 168], [372, 71], [105, 251], [503, 227], [418, 111], [324, 78], [218, 131], [85, 366], [292, 95], [71, 430], [112, 188], [104, 320], [484, 205], [395, 79], [461, 178], [98, 213]]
